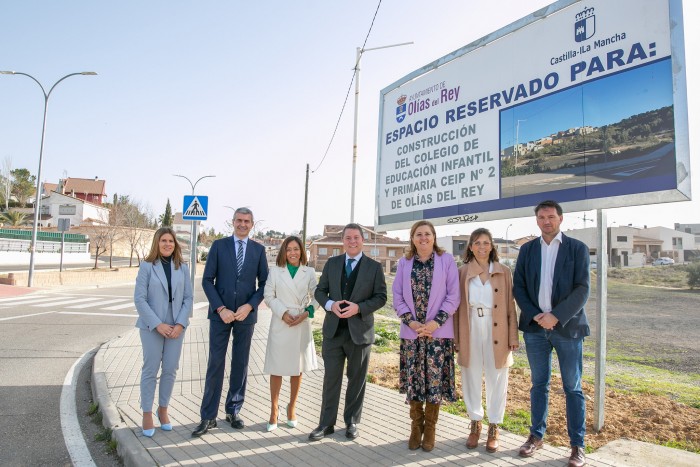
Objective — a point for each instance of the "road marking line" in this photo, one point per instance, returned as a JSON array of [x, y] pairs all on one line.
[[26, 316], [199, 305], [70, 426], [68, 302], [106, 302], [26, 301], [87, 313], [119, 307]]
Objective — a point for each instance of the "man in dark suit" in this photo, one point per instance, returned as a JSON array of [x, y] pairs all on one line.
[[551, 285], [233, 267], [351, 289]]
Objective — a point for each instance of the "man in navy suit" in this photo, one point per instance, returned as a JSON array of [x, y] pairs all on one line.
[[234, 281], [551, 285]]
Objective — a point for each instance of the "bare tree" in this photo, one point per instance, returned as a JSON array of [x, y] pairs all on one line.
[[135, 218], [99, 233], [6, 181], [143, 244]]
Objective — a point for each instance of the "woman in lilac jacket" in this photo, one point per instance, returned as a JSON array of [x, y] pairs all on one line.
[[426, 295]]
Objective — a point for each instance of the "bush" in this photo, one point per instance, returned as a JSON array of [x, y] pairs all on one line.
[[693, 275]]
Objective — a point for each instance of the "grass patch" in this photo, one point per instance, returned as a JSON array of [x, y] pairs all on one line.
[[111, 447], [318, 339], [681, 444], [518, 422], [92, 410], [643, 379], [105, 434], [454, 408]]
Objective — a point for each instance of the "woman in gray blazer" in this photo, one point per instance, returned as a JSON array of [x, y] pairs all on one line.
[[163, 298]]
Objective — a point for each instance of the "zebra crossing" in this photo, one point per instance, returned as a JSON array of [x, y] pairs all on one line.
[[63, 303]]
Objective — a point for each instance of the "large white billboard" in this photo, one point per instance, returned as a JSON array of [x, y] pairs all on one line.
[[580, 102]]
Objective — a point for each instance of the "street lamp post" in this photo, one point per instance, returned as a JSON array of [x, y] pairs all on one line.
[[360, 51], [37, 195], [193, 232], [517, 145], [507, 244]]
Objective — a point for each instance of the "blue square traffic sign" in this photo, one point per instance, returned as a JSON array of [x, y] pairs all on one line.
[[195, 208]]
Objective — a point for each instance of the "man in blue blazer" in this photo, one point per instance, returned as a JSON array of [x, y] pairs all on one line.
[[551, 285], [234, 282]]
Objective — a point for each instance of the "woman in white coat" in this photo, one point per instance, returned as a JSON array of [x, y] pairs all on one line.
[[163, 299], [289, 292]]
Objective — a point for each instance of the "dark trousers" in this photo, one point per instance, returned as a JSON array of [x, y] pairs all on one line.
[[335, 352], [219, 334]]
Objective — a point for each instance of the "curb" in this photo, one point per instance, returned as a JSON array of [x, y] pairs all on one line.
[[129, 449]]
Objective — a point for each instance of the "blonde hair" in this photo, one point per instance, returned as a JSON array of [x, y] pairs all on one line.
[[154, 255]]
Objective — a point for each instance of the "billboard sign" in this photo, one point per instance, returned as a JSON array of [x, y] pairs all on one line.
[[583, 103]]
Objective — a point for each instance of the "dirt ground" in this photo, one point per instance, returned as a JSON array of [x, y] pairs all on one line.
[[643, 417]]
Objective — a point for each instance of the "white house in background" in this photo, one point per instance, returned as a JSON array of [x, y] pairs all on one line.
[[692, 229], [59, 206], [675, 244], [634, 246]]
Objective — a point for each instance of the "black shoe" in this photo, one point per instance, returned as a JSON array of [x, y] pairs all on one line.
[[203, 427], [235, 420], [321, 432], [351, 431]]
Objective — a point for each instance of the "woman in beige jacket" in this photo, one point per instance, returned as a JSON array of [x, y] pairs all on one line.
[[486, 332]]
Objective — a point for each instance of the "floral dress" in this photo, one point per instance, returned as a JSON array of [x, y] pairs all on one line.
[[427, 366]]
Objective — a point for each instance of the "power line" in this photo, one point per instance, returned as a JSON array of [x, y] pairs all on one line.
[[347, 94]]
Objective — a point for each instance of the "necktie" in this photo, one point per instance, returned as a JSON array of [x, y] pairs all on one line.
[[239, 256], [348, 267]]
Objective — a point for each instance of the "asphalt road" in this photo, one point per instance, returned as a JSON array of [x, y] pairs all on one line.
[[41, 337]]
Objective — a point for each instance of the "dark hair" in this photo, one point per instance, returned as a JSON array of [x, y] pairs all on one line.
[[468, 255], [244, 211], [413, 251], [352, 226], [549, 204], [282, 255], [154, 255]]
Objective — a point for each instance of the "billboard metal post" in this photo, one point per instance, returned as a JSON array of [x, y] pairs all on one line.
[[601, 320]]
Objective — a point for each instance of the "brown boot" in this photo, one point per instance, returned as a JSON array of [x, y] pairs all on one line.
[[417, 422], [492, 440], [431, 417], [474, 433]]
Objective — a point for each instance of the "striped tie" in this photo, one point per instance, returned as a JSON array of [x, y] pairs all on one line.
[[239, 256]]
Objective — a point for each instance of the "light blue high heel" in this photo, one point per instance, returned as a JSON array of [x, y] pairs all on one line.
[[272, 426], [290, 423], [163, 426], [148, 433]]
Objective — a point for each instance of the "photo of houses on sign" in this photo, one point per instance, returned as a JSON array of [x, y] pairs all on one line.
[[606, 137]]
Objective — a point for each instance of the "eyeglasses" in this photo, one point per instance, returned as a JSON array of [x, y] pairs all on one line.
[[481, 243]]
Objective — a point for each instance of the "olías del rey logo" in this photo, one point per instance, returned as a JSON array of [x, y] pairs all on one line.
[[401, 108], [584, 27]]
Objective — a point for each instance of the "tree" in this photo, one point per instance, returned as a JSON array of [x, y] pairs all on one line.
[[22, 186], [14, 218], [166, 219], [99, 234], [6, 181], [135, 219]]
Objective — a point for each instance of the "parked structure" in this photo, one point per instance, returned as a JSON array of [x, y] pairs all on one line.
[[377, 245], [87, 189]]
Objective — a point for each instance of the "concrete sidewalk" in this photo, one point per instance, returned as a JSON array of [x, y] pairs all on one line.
[[383, 432]]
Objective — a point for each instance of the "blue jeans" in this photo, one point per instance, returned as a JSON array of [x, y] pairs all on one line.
[[539, 347]]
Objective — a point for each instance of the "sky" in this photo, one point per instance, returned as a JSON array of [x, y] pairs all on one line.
[[249, 92]]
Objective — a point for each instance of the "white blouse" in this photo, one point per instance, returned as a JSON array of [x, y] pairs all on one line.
[[481, 294]]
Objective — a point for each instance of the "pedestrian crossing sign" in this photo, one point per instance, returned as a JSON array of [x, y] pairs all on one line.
[[195, 208]]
